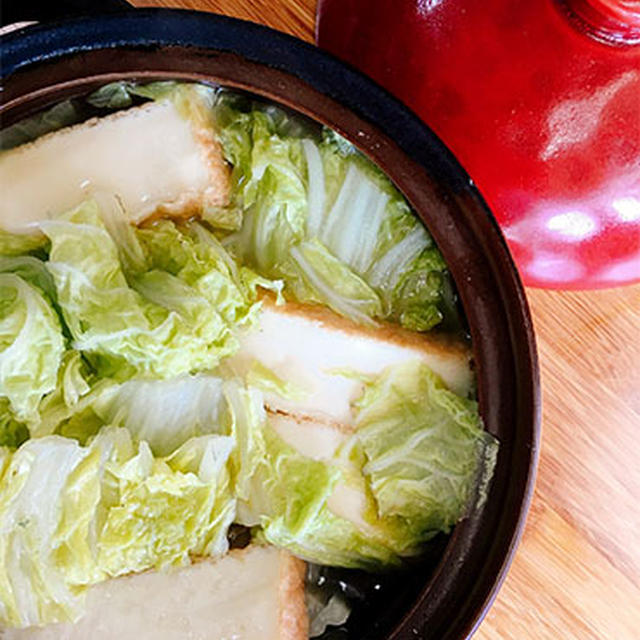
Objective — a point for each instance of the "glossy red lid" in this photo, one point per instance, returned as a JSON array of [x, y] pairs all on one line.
[[539, 100]]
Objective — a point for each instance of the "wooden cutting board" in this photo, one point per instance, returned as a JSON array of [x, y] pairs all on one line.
[[577, 571]]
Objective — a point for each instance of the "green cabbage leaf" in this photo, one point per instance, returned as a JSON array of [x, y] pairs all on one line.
[[12, 432], [157, 304], [416, 462], [301, 193], [426, 449], [71, 516], [16, 244], [298, 503], [31, 345], [61, 115], [164, 413]]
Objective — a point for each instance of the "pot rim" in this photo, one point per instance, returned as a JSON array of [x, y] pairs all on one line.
[[170, 31]]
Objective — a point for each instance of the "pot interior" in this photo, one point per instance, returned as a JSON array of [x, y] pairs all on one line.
[[444, 595]]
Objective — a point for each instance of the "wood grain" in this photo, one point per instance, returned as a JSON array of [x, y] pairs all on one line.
[[296, 17], [577, 572]]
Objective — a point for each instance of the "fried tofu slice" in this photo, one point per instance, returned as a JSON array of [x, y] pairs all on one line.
[[156, 158], [255, 593], [317, 352], [312, 438]]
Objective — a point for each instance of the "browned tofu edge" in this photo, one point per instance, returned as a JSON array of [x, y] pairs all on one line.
[[294, 619], [188, 204], [439, 344]]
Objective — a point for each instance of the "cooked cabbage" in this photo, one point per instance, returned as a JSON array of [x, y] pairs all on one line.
[[410, 470], [31, 345], [317, 214], [71, 516]]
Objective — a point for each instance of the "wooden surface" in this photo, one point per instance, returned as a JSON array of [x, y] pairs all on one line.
[[577, 571]]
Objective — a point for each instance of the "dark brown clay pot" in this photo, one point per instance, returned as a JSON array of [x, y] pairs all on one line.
[[443, 599]]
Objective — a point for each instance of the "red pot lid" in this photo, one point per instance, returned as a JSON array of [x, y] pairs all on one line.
[[539, 100]]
